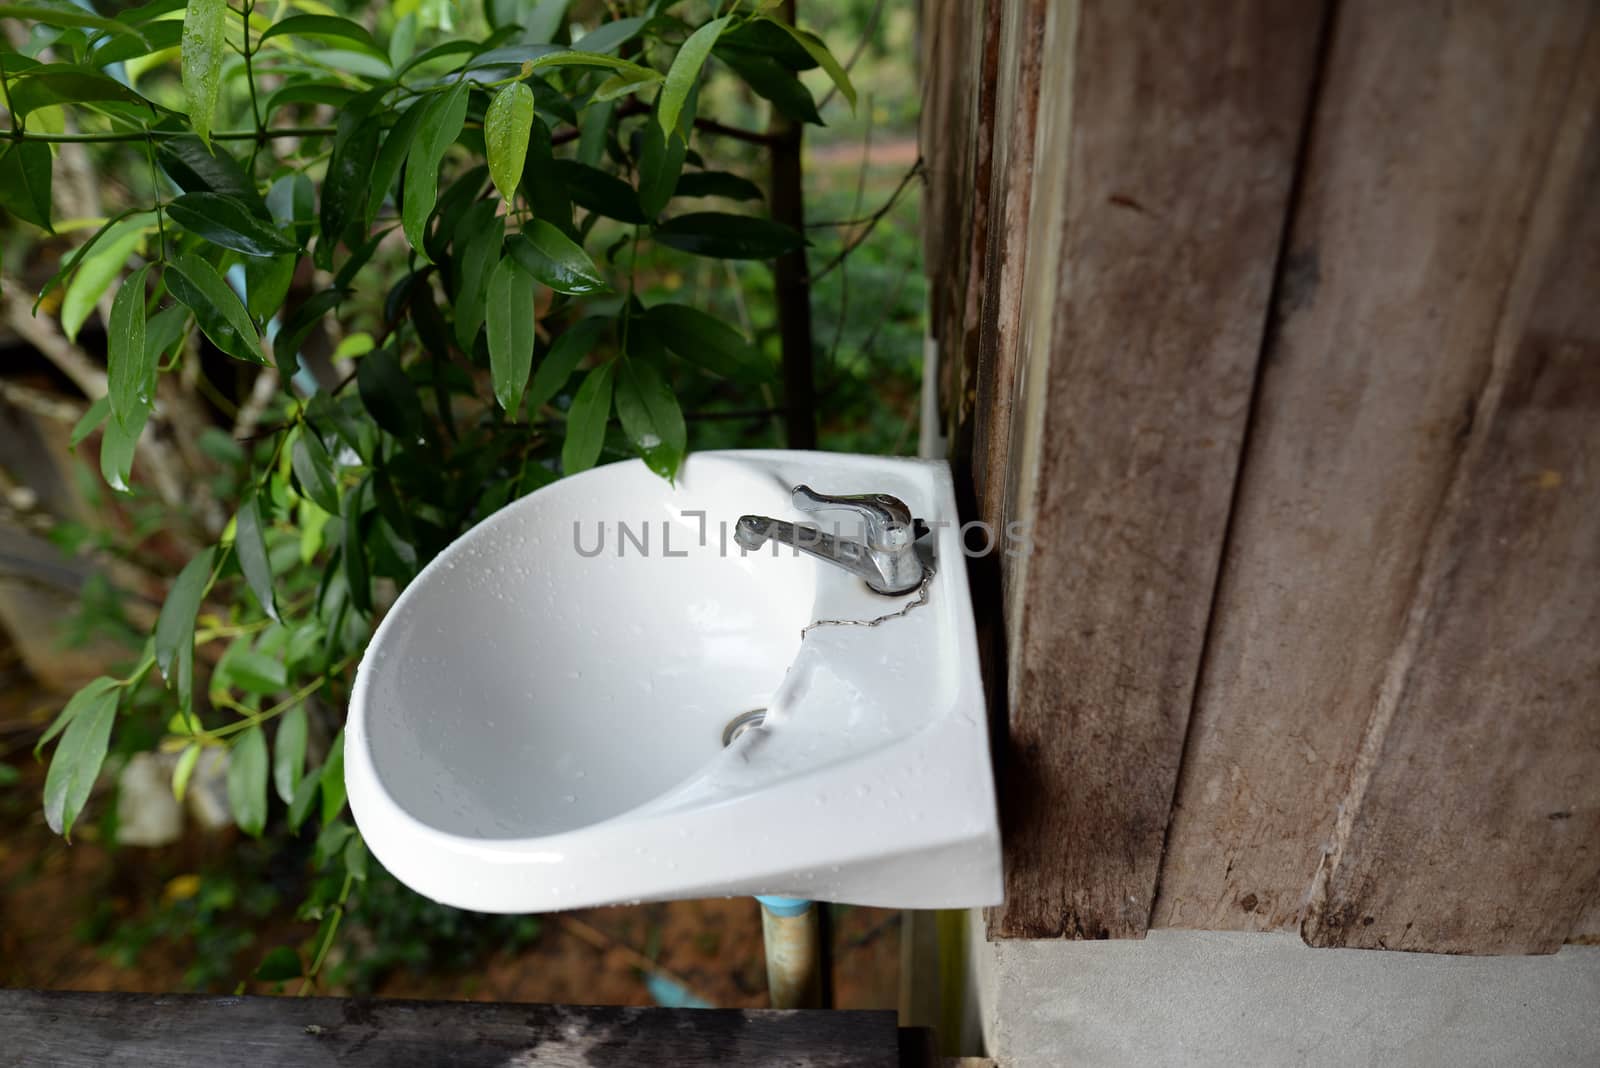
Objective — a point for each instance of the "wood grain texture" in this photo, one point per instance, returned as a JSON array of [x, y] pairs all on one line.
[[1410, 232], [1472, 824], [115, 1030], [1184, 123]]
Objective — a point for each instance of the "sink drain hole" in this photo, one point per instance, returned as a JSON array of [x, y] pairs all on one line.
[[741, 723]]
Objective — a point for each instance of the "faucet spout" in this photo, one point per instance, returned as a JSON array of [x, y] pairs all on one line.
[[892, 570]]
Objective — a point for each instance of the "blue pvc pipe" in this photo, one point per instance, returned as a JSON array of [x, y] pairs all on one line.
[[784, 906]]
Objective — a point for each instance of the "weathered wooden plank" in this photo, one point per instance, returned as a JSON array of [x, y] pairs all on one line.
[[1019, 48], [957, 114], [1433, 128], [1472, 824], [1147, 284], [113, 1030]]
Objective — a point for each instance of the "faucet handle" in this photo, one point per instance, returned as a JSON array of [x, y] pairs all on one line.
[[888, 520]]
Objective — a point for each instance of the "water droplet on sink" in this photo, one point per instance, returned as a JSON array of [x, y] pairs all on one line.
[[567, 799]]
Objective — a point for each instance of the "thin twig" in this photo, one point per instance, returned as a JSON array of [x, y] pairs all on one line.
[[844, 269], [872, 221]]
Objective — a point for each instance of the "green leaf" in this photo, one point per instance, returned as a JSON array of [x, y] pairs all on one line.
[[304, 795], [289, 753], [475, 259], [556, 261], [130, 377], [217, 308], [612, 35], [710, 343], [765, 36], [578, 58], [183, 771], [717, 184], [685, 71], [544, 190], [450, 208], [329, 93], [563, 358], [52, 84], [250, 543], [505, 134], [63, 15], [76, 762], [620, 85], [586, 420], [332, 780], [389, 395], [250, 671], [266, 284], [728, 237], [90, 421], [247, 781], [347, 187], [660, 163], [25, 182], [593, 132], [282, 963], [198, 168], [438, 128], [602, 193], [175, 625], [292, 201], [510, 324], [205, 43], [313, 470], [651, 418], [774, 82], [824, 59], [355, 858], [100, 268], [327, 28], [81, 700], [227, 222], [117, 446], [162, 333], [157, 37], [396, 146]]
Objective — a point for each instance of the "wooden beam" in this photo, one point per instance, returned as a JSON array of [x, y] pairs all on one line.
[[1380, 648], [115, 1030], [1167, 138]]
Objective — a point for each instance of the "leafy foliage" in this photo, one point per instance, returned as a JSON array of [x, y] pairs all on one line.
[[499, 185]]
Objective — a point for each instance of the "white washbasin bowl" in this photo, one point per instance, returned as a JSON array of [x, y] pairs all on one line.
[[538, 726]]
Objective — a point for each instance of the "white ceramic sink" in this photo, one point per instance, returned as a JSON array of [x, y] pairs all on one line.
[[534, 728]]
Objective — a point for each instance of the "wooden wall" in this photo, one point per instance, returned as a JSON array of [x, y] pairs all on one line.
[[1280, 324]]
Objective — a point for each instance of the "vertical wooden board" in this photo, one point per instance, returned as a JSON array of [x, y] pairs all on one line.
[[1018, 72], [957, 116], [1432, 128], [1185, 122], [1476, 803]]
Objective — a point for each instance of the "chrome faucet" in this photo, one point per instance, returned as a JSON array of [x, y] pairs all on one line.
[[887, 560]]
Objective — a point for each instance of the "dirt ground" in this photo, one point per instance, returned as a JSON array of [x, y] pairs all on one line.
[[60, 902]]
